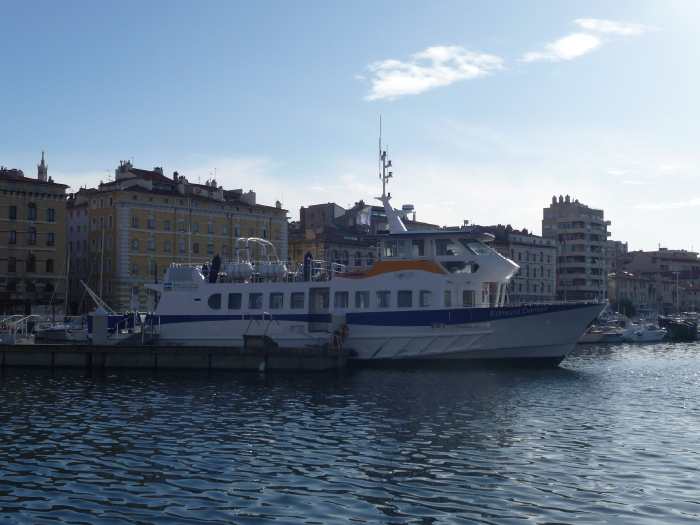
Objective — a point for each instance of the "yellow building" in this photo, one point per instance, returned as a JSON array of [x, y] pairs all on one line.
[[143, 221], [32, 240]]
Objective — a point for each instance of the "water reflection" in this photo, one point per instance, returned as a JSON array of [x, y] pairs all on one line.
[[609, 436]]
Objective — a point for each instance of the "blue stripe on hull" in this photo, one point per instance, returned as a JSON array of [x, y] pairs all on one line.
[[456, 316], [392, 318]]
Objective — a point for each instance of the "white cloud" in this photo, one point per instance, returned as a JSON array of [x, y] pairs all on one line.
[[690, 203], [611, 27], [433, 67], [566, 48], [596, 33]]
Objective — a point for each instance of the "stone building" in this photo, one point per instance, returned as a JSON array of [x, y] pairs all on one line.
[[143, 221], [536, 280], [332, 233], [580, 234], [32, 239], [78, 251], [674, 273]]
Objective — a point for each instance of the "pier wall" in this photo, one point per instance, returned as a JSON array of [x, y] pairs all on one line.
[[171, 357]]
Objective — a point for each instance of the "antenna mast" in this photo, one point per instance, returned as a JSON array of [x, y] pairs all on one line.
[[384, 163]]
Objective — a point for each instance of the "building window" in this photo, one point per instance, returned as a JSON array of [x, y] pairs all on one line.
[[255, 301], [49, 265], [31, 211], [426, 298], [361, 299], [181, 226], [13, 213], [341, 299], [195, 247], [135, 245], [276, 301], [50, 215], [210, 227], [297, 300], [50, 239], [181, 245], [383, 299], [13, 237], [195, 227], [405, 299], [151, 223], [264, 233], [234, 301], [134, 221], [31, 239], [151, 244], [167, 246], [11, 265], [109, 221], [237, 231], [224, 230], [166, 226], [134, 269], [31, 263], [210, 249], [214, 301]]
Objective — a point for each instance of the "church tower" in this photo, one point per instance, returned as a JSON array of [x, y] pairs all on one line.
[[43, 169]]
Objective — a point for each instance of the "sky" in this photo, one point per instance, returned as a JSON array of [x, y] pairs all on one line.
[[488, 108]]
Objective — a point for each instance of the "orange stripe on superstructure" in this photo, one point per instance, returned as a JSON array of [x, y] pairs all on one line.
[[382, 267]]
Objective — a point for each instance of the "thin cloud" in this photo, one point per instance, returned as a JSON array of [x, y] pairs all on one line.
[[566, 48], [431, 68], [596, 33], [691, 203], [611, 27]]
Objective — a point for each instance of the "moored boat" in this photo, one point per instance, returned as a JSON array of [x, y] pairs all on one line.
[[432, 295]]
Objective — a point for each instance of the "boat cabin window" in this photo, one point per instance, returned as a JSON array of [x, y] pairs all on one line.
[[234, 301], [468, 298], [460, 266], [426, 298], [341, 300], [383, 299], [418, 248], [255, 301], [475, 247], [446, 247], [297, 300], [214, 301], [390, 248], [276, 301], [448, 297], [361, 299], [405, 299]]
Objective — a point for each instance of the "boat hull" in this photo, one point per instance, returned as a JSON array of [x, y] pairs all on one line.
[[546, 332]]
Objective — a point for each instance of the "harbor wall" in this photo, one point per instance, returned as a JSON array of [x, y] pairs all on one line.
[[171, 357]]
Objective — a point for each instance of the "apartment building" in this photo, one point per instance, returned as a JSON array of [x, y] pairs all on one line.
[[536, 281], [675, 275], [143, 220], [32, 240], [580, 234]]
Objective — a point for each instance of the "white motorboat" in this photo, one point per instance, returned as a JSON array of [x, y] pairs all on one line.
[[432, 295], [643, 333]]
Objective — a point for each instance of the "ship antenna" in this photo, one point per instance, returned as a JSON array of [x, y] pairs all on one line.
[[384, 163]]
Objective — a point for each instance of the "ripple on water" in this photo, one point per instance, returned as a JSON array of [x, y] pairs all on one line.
[[610, 437]]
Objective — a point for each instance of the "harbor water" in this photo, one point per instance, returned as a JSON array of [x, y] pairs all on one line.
[[611, 436]]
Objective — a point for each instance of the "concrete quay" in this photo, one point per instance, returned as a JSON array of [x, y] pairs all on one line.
[[171, 357]]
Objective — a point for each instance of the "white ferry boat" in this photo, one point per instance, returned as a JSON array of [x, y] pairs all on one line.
[[431, 295]]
